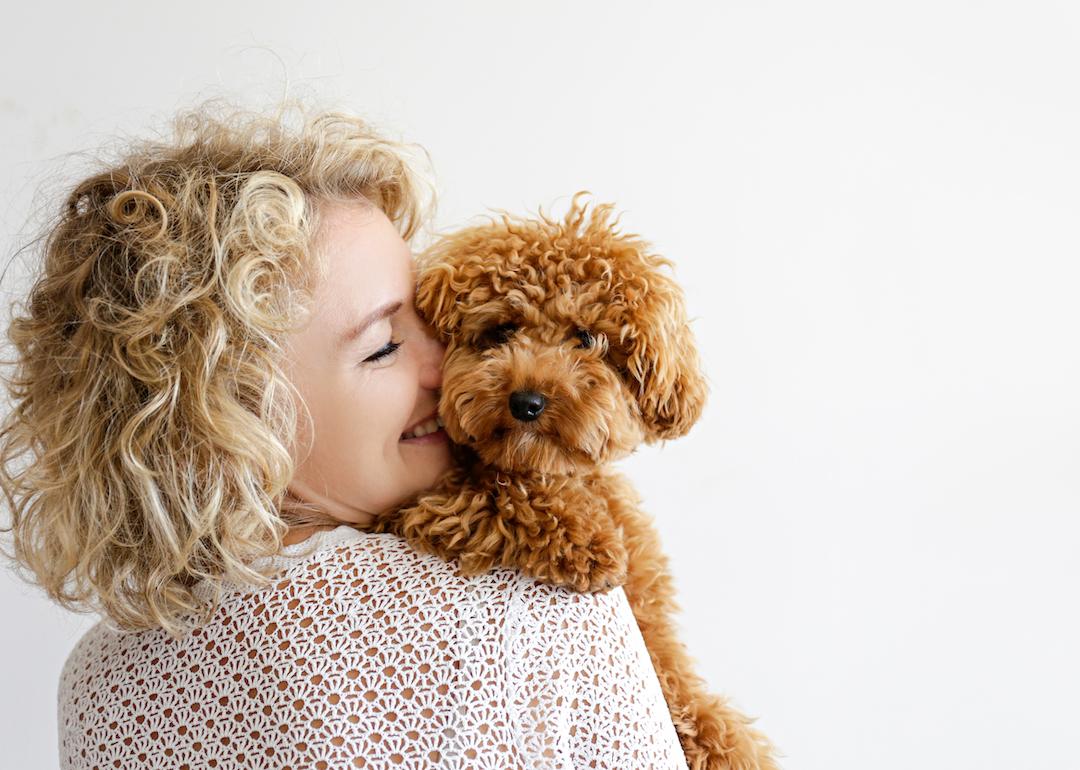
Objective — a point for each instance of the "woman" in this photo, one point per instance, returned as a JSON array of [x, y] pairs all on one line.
[[219, 376]]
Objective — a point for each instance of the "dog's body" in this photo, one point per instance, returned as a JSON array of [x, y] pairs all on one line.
[[567, 347]]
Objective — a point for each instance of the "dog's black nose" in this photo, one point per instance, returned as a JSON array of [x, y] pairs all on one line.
[[526, 405]]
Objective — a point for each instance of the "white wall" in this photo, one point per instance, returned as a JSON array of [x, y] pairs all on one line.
[[874, 210]]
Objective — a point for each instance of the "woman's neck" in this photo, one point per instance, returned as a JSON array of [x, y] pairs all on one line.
[[303, 532]]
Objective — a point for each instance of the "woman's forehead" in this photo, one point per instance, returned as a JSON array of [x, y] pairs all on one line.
[[368, 267], [366, 258]]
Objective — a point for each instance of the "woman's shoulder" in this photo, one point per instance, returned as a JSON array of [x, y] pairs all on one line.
[[346, 578], [348, 564], [342, 592], [345, 589]]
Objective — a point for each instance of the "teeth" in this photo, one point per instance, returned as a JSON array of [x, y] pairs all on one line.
[[424, 428]]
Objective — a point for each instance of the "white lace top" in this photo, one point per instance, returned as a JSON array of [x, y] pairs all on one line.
[[368, 654]]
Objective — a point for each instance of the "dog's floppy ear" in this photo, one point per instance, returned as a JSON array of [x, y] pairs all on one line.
[[436, 302], [448, 277], [663, 363]]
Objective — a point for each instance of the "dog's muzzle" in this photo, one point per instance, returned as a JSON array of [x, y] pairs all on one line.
[[526, 405]]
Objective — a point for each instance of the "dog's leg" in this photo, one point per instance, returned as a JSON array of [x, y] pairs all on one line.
[[714, 735], [454, 520], [564, 533], [561, 537]]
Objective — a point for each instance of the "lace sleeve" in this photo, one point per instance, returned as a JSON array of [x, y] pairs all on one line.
[[585, 693]]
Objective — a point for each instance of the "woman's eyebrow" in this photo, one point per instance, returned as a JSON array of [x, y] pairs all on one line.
[[353, 333]]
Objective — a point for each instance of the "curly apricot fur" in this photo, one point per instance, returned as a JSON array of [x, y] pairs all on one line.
[[585, 323]]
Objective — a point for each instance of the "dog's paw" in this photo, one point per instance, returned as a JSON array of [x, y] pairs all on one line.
[[595, 567], [452, 531]]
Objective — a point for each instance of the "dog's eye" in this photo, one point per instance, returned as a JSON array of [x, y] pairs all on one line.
[[498, 335], [585, 337]]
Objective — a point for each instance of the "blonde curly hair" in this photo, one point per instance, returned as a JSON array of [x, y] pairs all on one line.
[[148, 393]]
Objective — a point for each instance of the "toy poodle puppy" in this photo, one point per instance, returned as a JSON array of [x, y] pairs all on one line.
[[567, 346]]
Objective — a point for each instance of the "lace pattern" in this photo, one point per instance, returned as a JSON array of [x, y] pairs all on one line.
[[368, 654]]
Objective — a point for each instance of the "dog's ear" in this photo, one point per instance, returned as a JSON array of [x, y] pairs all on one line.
[[436, 300], [662, 362], [449, 277]]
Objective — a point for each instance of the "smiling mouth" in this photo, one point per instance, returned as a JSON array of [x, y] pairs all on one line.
[[426, 428]]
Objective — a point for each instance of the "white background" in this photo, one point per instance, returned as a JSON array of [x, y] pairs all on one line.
[[874, 210]]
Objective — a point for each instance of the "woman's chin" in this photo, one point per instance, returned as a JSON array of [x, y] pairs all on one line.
[[427, 461]]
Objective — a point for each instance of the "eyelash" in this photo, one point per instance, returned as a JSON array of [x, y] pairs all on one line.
[[390, 349]]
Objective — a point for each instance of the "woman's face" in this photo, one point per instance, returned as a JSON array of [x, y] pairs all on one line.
[[362, 393]]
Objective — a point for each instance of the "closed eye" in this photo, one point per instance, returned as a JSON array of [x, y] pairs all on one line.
[[389, 349]]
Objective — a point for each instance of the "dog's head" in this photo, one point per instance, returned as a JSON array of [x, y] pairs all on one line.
[[567, 343]]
